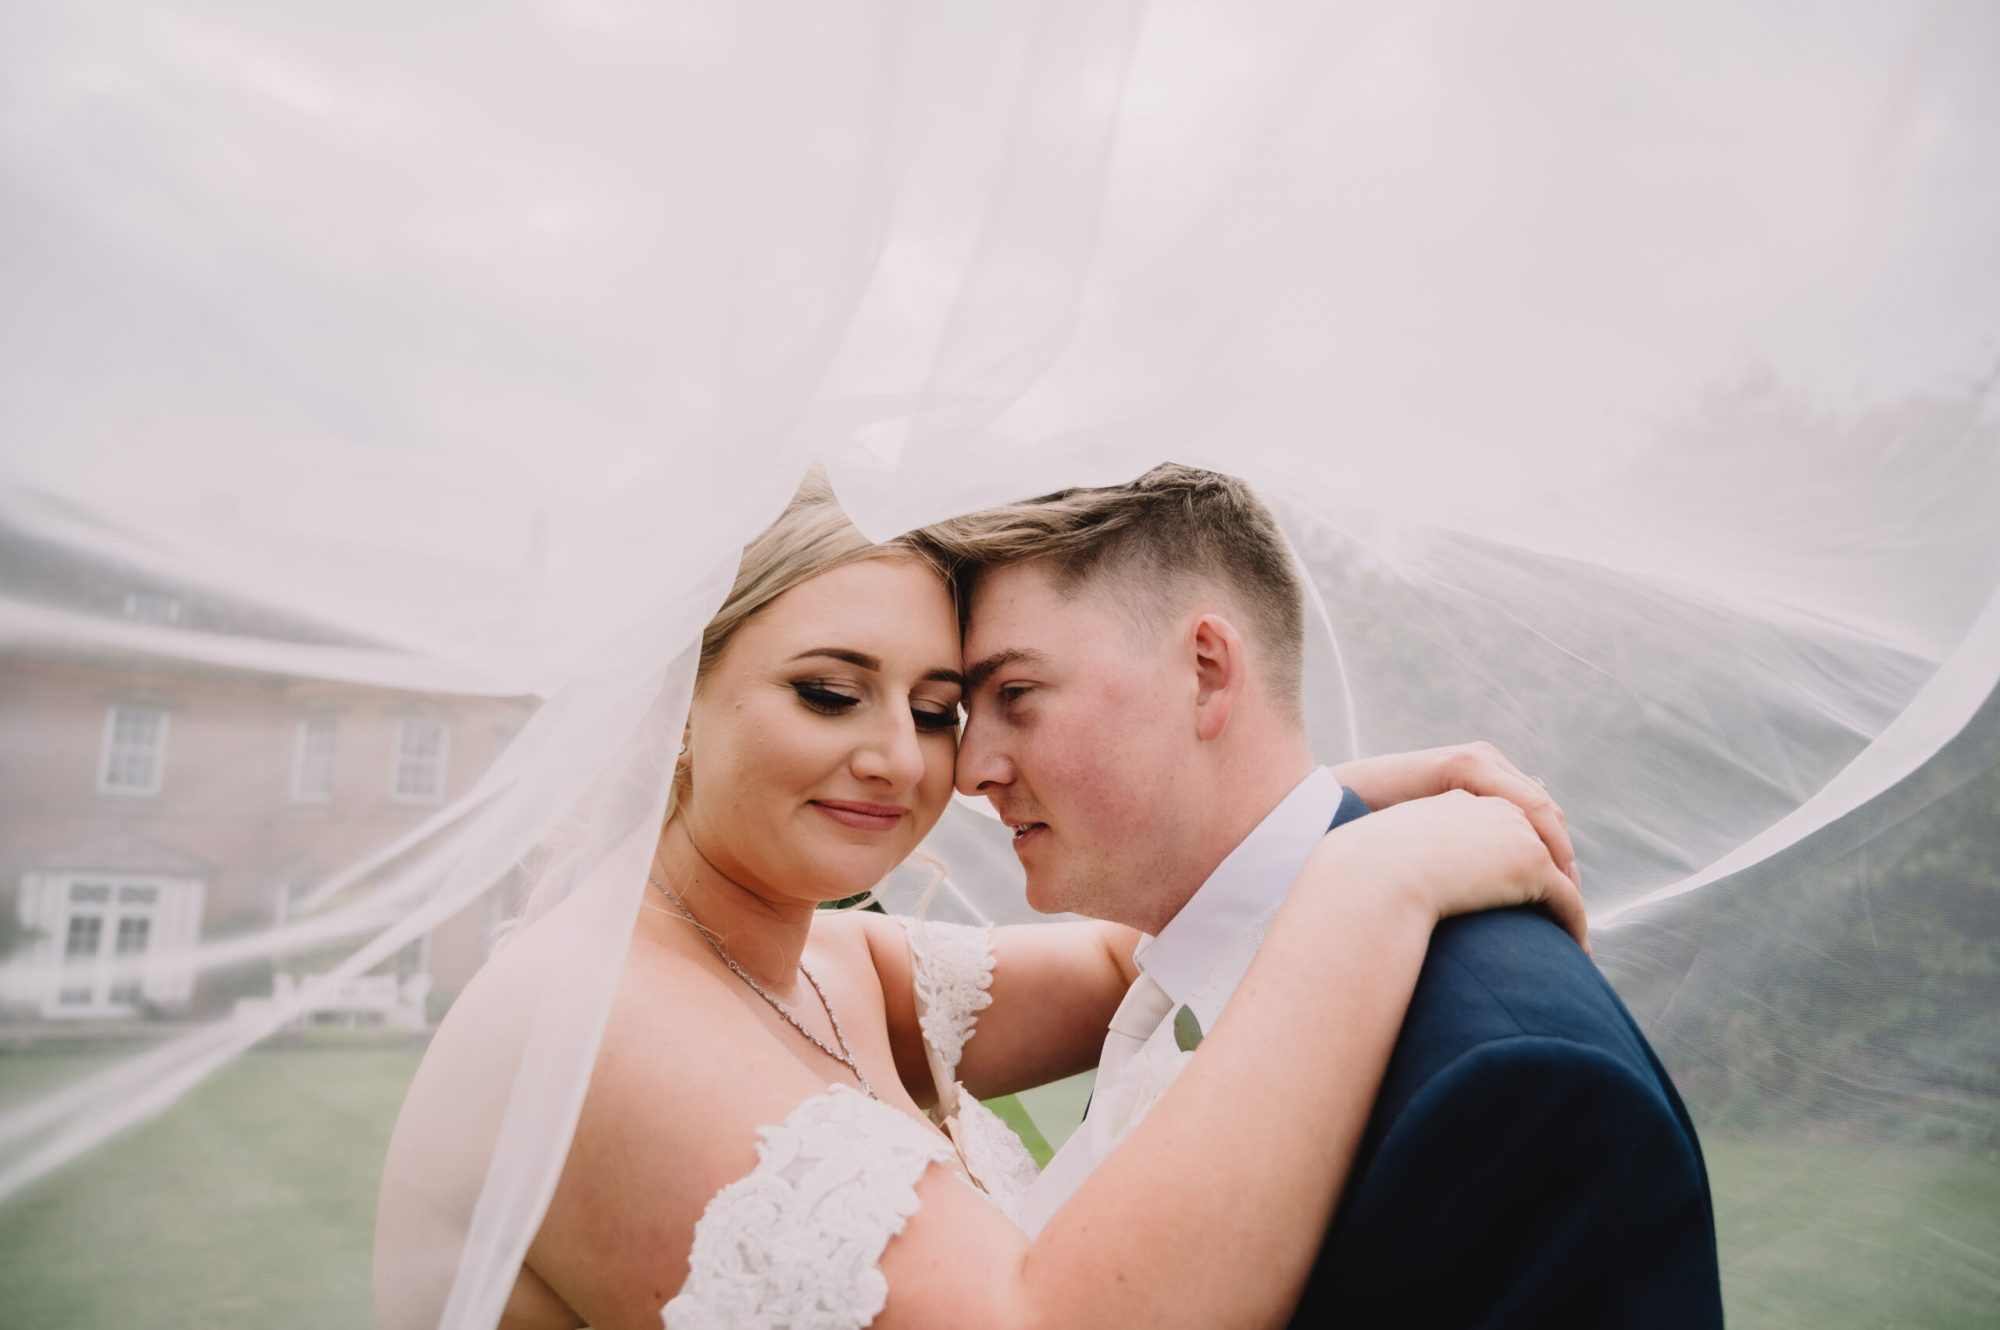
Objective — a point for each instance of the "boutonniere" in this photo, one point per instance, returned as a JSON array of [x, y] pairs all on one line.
[[1187, 1029]]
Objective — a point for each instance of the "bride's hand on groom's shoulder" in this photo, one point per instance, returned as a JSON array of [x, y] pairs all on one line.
[[1476, 768], [1455, 853]]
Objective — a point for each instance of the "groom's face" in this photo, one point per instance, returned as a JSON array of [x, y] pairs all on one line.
[[1078, 728]]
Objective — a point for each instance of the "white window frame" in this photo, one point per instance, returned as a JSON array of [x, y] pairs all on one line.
[[104, 785], [443, 766], [300, 794], [47, 904]]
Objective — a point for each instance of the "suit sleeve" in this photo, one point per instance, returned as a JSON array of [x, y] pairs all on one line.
[[1532, 1182]]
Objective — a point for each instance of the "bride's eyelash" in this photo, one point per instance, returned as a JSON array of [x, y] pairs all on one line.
[[821, 698], [935, 720], [830, 703]]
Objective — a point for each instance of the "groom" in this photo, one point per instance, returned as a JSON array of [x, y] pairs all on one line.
[[1528, 1162]]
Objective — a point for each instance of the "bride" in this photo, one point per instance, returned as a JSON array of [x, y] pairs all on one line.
[[783, 1126]]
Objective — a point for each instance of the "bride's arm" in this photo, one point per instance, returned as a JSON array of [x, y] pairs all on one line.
[[1212, 1211], [1054, 988], [1477, 768], [1208, 1215]]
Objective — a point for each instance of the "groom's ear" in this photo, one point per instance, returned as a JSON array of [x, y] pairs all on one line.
[[1221, 665]]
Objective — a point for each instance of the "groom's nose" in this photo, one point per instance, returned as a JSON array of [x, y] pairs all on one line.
[[981, 768]]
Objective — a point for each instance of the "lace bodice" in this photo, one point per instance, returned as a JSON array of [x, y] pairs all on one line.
[[797, 1243]]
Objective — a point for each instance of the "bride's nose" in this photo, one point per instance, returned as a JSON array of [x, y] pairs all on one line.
[[891, 753]]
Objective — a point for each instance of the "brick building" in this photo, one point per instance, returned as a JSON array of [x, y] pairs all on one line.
[[177, 767]]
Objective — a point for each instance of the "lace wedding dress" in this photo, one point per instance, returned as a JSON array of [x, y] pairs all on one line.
[[797, 1242]]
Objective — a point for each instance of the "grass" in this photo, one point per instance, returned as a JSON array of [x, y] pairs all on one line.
[[1818, 1234], [251, 1203]]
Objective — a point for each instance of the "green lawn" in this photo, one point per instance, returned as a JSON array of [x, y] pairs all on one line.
[[1820, 1234], [251, 1204]]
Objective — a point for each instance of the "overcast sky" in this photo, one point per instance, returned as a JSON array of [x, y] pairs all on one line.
[[303, 256]]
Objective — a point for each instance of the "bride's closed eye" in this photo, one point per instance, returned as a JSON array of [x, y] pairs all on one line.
[[820, 696], [817, 695], [930, 719]]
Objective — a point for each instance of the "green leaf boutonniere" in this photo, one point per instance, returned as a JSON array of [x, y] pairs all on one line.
[[1187, 1029]]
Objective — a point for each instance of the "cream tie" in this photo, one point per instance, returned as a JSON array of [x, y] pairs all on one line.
[[1146, 1004]]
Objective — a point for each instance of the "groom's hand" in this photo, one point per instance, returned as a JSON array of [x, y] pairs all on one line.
[[1477, 768]]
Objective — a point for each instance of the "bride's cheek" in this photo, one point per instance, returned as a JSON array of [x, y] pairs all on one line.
[[939, 776]]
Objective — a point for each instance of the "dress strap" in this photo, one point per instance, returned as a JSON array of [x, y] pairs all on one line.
[[798, 1242], [952, 965]]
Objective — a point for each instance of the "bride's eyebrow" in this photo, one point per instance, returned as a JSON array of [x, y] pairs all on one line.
[[868, 662], [861, 658]]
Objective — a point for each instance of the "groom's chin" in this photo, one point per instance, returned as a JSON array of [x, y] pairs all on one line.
[[1046, 894]]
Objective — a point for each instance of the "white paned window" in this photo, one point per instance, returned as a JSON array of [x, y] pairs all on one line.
[[82, 942], [134, 932], [135, 749], [312, 766], [422, 746]]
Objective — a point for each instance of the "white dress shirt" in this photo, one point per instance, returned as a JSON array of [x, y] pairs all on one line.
[[1239, 896], [1244, 888]]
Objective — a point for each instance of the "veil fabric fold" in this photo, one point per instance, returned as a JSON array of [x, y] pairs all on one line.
[[389, 395]]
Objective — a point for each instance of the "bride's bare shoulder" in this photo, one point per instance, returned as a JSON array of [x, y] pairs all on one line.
[[678, 1080], [450, 1126], [548, 966]]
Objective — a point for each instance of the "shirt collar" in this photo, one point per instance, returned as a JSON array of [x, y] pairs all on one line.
[[1244, 887]]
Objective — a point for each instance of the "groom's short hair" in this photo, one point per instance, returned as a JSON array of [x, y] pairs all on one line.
[[1158, 536]]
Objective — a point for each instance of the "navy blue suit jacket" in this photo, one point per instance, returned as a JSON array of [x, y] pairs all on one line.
[[1527, 1162]]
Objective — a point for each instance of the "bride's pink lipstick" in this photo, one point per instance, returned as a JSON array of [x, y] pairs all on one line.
[[862, 817]]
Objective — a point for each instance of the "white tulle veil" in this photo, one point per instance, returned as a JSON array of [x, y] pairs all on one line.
[[390, 391]]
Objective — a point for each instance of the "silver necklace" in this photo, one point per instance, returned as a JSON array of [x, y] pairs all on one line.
[[842, 1055]]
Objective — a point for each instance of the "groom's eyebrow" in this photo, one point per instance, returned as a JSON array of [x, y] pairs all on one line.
[[981, 672], [868, 662]]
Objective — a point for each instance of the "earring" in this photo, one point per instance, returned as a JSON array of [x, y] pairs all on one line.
[[684, 749]]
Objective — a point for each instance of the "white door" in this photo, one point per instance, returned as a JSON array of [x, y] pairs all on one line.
[[105, 936]]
